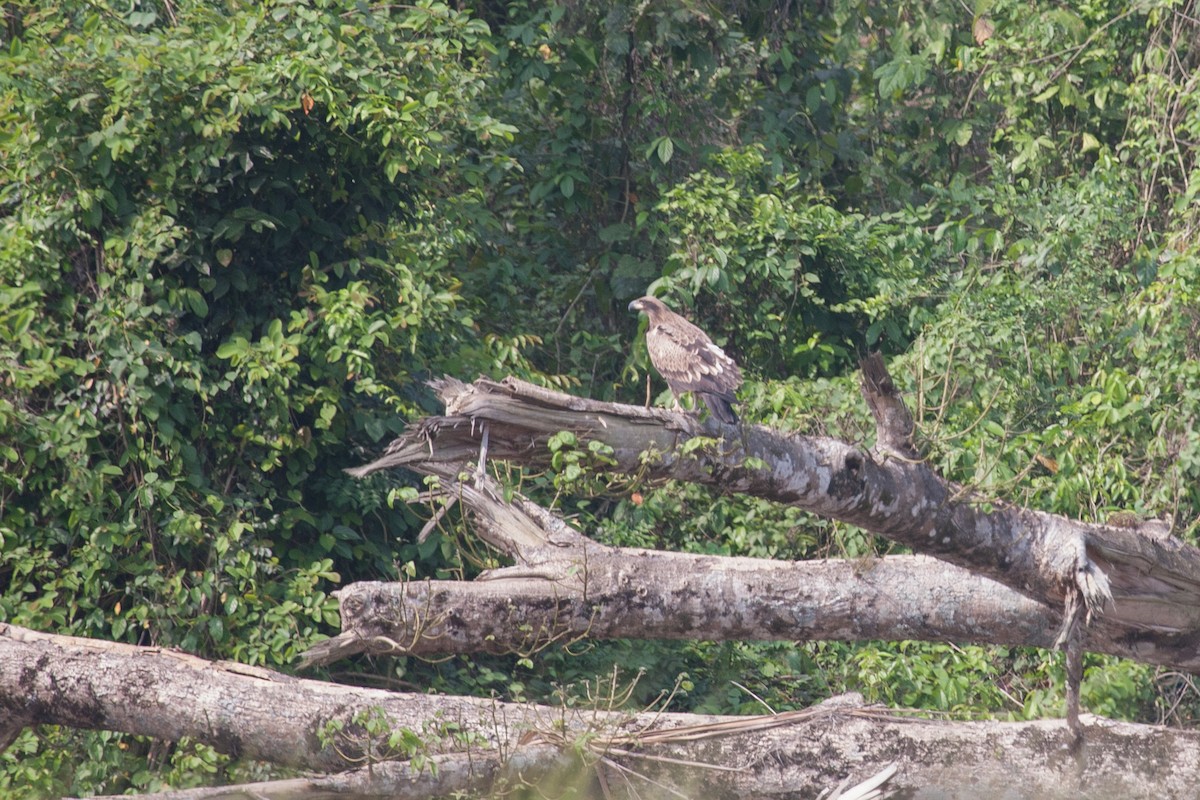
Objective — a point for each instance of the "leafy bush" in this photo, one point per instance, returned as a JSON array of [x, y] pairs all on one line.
[[236, 239]]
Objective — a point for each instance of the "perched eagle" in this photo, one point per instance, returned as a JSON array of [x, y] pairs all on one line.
[[688, 360]]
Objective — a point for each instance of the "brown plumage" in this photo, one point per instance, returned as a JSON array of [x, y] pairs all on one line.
[[688, 360]]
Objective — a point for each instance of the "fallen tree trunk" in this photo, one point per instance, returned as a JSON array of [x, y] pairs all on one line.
[[257, 713], [1148, 589], [611, 593], [566, 587]]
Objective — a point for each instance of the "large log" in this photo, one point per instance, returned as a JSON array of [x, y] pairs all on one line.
[[262, 714], [565, 587], [1141, 592], [641, 594]]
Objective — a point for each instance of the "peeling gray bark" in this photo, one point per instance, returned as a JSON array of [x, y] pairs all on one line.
[[261, 714], [1154, 585], [565, 587], [640, 594]]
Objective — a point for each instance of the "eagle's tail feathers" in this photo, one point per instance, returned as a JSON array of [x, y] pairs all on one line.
[[720, 408]]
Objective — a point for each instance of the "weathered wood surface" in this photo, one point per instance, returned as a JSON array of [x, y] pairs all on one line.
[[265, 715], [641, 594], [1143, 592]]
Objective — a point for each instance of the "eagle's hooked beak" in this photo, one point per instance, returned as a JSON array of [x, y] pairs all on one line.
[[636, 305]]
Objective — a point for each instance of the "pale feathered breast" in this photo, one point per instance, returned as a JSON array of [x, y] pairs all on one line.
[[688, 360]]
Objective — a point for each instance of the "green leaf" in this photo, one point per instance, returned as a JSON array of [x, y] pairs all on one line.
[[666, 149], [618, 232], [235, 347], [197, 303], [1050, 92]]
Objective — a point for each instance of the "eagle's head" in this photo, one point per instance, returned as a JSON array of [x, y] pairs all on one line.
[[647, 304]]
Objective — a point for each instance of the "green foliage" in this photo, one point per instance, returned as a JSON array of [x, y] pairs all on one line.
[[809, 283], [1090, 412], [236, 239], [570, 464], [370, 737], [941, 677], [220, 266], [194, 356], [42, 764]]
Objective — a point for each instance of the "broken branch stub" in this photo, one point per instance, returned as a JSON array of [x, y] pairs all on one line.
[[893, 422], [1148, 589]]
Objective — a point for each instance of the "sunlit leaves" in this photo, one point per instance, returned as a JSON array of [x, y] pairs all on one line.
[[792, 267], [242, 286], [235, 241]]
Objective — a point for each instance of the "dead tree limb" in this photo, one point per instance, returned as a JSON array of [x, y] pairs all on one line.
[[641, 594], [893, 422], [1148, 589], [564, 587], [257, 713]]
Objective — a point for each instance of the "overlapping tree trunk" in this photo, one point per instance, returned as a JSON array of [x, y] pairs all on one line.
[[997, 574], [1142, 593], [474, 745]]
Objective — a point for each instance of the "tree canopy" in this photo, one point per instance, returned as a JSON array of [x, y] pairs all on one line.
[[236, 240]]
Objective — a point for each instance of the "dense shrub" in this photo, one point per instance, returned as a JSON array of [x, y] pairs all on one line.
[[236, 239]]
